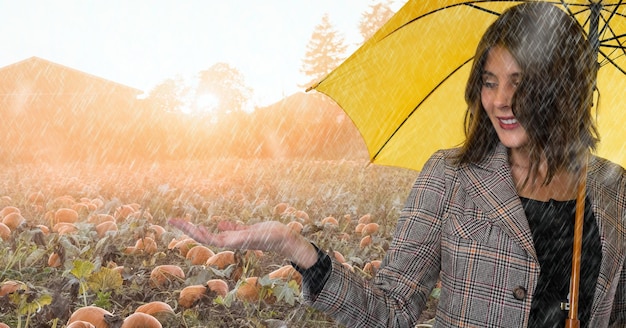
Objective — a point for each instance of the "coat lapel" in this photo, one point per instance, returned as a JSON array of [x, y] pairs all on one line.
[[490, 185]]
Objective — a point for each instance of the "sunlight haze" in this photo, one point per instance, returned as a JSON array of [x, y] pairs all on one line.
[[141, 43]]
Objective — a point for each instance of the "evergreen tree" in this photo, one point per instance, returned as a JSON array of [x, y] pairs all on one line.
[[371, 20], [325, 51]]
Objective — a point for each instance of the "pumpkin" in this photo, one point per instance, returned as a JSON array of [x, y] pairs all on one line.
[[302, 215], [141, 320], [123, 212], [370, 229], [13, 220], [249, 290], [36, 197], [365, 241], [198, 255], [339, 257], [218, 286], [54, 260], [286, 273], [330, 220], [190, 295], [280, 208], [156, 231], [365, 219], [155, 307], [5, 232], [165, 274], [146, 245], [295, 226], [359, 228], [65, 215], [11, 286], [160, 310], [92, 314], [80, 324], [100, 218], [105, 227], [9, 209], [222, 259]]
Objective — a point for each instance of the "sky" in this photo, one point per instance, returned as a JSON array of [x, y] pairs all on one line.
[[140, 43]]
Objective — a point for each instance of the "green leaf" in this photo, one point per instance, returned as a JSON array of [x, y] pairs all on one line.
[[435, 293], [34, 305], [82, 269]]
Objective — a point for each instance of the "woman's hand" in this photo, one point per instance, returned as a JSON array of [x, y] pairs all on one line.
[[267, 236]]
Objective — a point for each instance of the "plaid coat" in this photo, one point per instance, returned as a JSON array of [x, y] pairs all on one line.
[[466, 225]]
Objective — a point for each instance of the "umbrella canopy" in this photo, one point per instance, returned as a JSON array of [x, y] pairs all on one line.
[[404, 87]]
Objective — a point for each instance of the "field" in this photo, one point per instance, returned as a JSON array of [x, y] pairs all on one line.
[[59, 261]]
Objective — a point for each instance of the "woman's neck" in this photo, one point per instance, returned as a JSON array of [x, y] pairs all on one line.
[[562, 186]]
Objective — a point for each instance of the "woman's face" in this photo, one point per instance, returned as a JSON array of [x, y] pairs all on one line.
[[501, 75]]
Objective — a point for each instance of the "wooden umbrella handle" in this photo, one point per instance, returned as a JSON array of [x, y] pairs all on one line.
[[572, 319]]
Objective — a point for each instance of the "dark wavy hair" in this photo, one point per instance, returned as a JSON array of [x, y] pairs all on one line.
[[554, 97]]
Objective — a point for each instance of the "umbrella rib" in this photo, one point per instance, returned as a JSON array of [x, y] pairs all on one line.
[[417, 106], [612, 62]]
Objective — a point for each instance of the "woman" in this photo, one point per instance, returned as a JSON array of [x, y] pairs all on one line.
[[493, 219]]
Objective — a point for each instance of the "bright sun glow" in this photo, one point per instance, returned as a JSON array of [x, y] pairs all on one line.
[[207, 103]]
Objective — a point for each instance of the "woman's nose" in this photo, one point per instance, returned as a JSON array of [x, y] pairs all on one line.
[[504, 95]]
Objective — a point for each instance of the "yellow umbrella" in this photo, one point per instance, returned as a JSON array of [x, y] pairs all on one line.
[[404, 87]]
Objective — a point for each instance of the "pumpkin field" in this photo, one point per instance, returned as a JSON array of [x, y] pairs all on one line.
[[88, 245]]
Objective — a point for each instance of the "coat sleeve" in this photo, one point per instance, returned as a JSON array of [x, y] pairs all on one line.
[[618, 313], [398, 293]]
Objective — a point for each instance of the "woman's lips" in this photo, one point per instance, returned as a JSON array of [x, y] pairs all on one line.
[[508, 123]]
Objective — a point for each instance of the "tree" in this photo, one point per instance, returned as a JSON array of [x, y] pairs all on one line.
[[168, 95], [325, 51], [371, 20], [221, 90]]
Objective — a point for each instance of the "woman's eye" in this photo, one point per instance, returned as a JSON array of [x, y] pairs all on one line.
[[489, 85]]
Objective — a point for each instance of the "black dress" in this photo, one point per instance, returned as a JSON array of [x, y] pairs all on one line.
[[552, 227]]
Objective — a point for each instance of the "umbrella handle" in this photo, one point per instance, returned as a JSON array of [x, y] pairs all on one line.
[[572, 319]]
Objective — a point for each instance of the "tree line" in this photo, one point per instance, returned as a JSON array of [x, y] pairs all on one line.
[[206, 119]]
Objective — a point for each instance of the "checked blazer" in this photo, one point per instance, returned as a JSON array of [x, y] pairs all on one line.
[[466, 226]]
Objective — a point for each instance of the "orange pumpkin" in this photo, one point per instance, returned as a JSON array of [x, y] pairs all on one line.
[[370, 229], [80, 324], [190, 295], [365, 219], [164, 274], [5, 232], [330, 220], [249, 290], [222, 259], [218, 286], [295, 226], [154, 307], [141, 320], [105, 227], [13, 220], [286, 273], [92, 314], [198, 255], [67, 215], [9, 209]]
